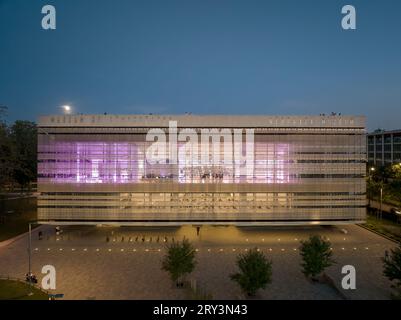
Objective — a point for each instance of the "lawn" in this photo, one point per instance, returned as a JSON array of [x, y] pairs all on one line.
[[385, 227], [16, 290], [15, 215]]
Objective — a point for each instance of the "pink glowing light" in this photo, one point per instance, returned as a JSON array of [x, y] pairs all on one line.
[[124, 162]]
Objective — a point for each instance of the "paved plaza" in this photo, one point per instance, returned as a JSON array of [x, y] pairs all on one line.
[[125, 262]]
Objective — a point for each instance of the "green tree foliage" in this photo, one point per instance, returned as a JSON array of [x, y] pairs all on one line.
[[5, 150], [255, 271], [384, 173], [180, 259], [24, 145], [392, 268], [396, 171], [388, 179], [18, 154], [316, 256]]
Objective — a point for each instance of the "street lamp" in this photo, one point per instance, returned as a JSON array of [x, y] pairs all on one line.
[[30, 278], [381, 200], [371, 169]]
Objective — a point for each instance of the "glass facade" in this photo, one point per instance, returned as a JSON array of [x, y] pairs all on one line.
[[304, 170], [384, 147]]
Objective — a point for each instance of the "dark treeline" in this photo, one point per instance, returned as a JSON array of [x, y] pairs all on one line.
[[18, 153]]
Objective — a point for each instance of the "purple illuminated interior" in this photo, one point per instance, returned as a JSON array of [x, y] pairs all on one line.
[[124, 162]]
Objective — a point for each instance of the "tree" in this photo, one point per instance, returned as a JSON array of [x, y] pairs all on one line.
[[396, 171], [382, 173], [5, 150], [18, 154], [392, 269], [180, 260], [316, 255], [23, 135], [255, 272]]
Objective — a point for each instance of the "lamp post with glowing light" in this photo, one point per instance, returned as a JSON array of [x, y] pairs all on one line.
[[381, 200], [30, 274], [371, 169]]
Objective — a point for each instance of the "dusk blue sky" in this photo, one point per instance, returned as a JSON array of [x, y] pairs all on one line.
[[204, 57]]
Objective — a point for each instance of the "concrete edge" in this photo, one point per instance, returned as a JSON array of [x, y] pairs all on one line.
[[379, 234], [16, 238]]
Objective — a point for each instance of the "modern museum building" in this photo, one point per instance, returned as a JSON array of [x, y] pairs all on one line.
[[201, 169]]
